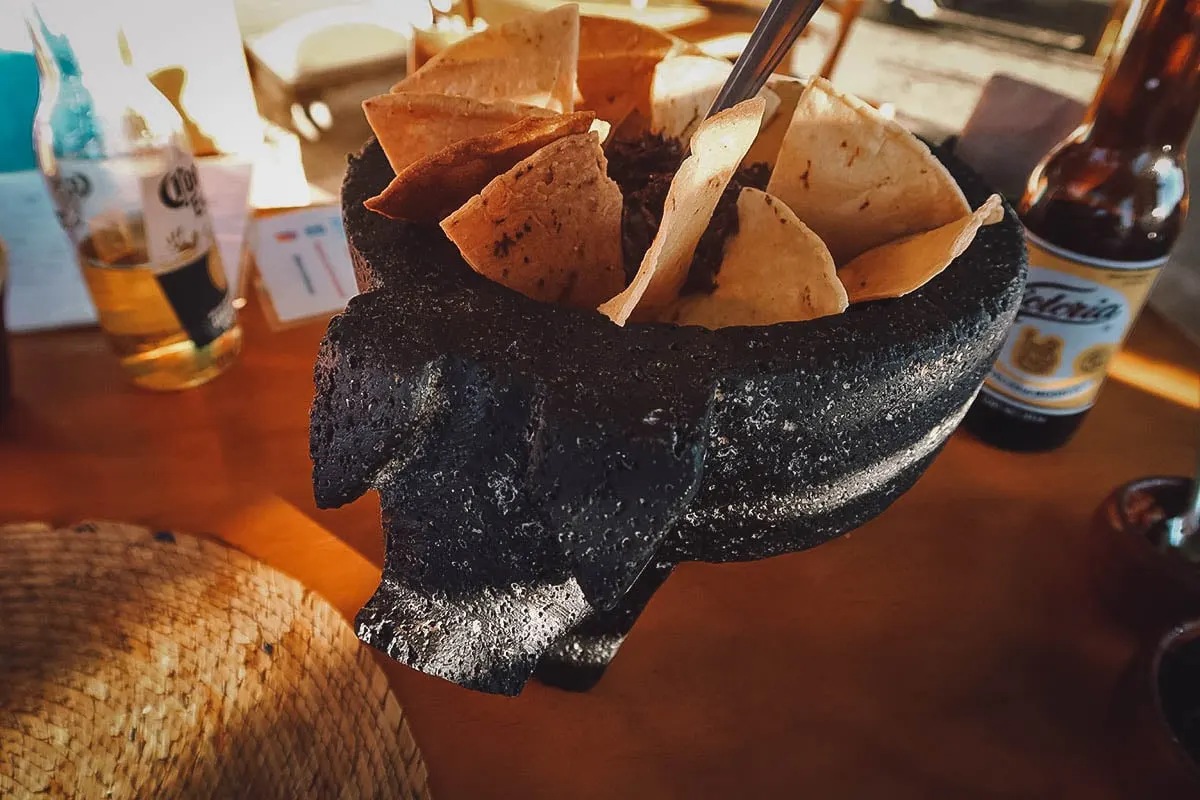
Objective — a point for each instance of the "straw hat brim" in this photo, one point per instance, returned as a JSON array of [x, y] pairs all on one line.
[[152, 664]]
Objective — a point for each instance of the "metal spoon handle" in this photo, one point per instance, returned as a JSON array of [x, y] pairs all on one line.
[[1191, 514], [1183, 531], [774, 34]]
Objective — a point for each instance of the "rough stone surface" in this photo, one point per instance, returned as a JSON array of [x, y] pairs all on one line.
[[536, 462]]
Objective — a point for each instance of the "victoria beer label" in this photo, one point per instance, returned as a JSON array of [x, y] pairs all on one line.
[[1075, 313]]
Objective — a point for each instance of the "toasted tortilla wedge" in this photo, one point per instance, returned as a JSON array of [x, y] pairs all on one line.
[[897, 268], [718, 147], [684, 88], [607, 37], [616, 65], [528, 60], [857, 178], [774, 270], [765, 149], [612, 104], [411, 126], [429, 189], [549, 228]]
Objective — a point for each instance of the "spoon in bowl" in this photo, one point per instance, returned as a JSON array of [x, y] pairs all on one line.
[[774, 34]]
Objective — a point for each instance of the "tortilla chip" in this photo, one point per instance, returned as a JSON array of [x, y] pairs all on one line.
[[682, 47], [599, 91], [717, 148], [765, 149], [602, 128], [858, 179], [429, 189], [683, 89], [410, 127], [897, 268], [774, 270], [528, 60], [616, 65], [608, 37], [549, 228]]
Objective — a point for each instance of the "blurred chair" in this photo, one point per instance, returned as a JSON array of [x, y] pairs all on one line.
[[725, 33], [295, 62], [848, 11], [666, 15]]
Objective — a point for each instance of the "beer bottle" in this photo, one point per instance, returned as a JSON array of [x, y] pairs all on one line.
[[118, 163], [1101, 213]]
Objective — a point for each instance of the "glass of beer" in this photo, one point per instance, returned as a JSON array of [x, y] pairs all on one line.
[[117, 160]]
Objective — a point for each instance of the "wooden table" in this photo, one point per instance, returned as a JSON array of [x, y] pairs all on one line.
[[952, 648]]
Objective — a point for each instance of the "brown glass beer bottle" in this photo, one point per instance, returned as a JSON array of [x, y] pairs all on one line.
[[1101, 213]]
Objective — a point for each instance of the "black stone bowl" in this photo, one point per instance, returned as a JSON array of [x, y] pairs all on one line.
[[541, 469]]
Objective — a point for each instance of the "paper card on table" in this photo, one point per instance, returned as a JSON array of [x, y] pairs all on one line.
[[303, 263], [46, 289]]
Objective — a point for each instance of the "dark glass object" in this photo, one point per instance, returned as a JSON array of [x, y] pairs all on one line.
[[1143, 588], [1157, 719]]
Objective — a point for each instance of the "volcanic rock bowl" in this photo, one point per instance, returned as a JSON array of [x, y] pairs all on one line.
[[541, 469]]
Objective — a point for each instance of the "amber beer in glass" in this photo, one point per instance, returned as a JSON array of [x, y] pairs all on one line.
[[1101, 213], [118, 162]]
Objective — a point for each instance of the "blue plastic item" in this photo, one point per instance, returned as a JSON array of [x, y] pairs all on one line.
[[18, 98], [75, 129]]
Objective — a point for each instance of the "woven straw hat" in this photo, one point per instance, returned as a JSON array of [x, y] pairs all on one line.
[[140, 664]]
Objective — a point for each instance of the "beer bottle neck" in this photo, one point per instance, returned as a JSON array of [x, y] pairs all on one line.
[[1149, 96], [95, 103]]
